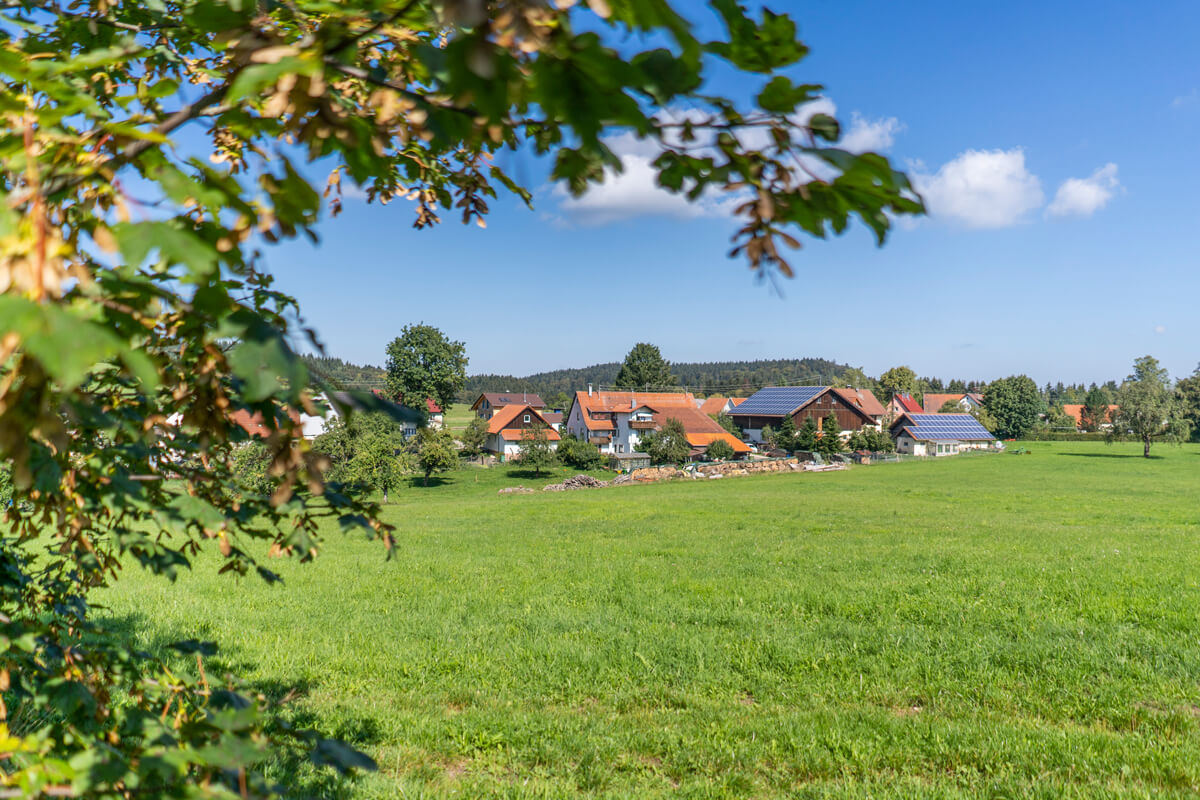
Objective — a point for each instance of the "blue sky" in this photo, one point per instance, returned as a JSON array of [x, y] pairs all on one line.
[[1055, 145]]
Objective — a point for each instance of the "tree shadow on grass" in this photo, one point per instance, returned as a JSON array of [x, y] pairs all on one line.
[[419, 482], [1108, 455], [528, 474], [292, 768]]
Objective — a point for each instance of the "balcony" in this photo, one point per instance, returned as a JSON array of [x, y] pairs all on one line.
[[643, 424]]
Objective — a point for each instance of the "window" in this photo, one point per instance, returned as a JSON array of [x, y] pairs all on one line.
[[620, 448], [526, 419]]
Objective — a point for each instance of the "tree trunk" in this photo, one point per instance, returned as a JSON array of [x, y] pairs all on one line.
[[385, 495], [1146, 447]]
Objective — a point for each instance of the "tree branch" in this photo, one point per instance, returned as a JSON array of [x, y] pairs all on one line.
[[363, 75], [112, 23]]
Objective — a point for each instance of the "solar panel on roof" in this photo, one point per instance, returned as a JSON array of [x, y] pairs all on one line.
[[946, 426], [775, 401]]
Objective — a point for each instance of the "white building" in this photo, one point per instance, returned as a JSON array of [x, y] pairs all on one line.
[[939, 434]]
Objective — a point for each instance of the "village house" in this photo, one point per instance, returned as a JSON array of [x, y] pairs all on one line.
[[491, 402], [510, 425], [903, 403], [939, 434], [854, 409], [1075, 412], [967, 401], [616, 422], [716, 405]]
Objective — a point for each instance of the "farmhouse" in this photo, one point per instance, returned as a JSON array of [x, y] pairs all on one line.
[[509, 425], [490, 402], [939, 434], [616, 422], [1075, 411], [968, 401], [719, 405], [855, 409]]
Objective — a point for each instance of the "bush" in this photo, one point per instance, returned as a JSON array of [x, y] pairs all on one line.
[[719, 450], [579, 454]]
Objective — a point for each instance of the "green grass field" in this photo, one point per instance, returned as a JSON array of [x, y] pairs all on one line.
[[457, 416], [979, 626]]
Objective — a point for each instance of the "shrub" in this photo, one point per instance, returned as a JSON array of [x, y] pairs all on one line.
[[718, 450], [579, 454]]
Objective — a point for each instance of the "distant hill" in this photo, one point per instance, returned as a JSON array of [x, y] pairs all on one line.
[[715, 377]]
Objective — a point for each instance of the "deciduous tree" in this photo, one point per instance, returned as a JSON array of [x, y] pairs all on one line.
[[537, 451], [474, 437], [422, 363], [1148, 409], [1095, 411], [719, 450], [1014, 403], [435, 452], [1189, 397], [169, 136], [645, 370], [669, 444], [898, 380]]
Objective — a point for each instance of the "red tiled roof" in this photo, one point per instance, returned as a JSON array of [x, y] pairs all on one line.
[[553, 417], [737, 401], [1075, 411], [433, 407], [713, 405], [701, 429], [863, 400], [627, 401], [507, 414], [498, 399], [907, 403], [253, 423]]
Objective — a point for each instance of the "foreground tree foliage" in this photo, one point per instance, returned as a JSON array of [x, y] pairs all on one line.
[[149, 150]]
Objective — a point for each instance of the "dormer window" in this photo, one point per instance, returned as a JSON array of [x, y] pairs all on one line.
[[526, 419]]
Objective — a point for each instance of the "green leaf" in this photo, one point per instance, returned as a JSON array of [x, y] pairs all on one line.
[[825, 127], [782, 96], [340, 756], [174, 245]]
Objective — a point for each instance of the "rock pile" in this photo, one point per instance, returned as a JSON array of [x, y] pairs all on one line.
[[576, 482], [515, 490]]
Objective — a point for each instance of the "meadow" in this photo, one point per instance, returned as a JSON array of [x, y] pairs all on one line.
[[977, 626]]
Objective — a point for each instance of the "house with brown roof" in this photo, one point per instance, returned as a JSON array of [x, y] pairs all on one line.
[[934, 402], [616, 422], [510, 425], [490, 402], [854, 409]]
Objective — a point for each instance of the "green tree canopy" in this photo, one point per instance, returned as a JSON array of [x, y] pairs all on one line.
[[119, 320], [830, 441], [645, 370], [806, 436], [1095, 411], [422, 363], [537, 451], [474, 437], [899, 380], [669, 444], [719, 450], [1189, 397], [1014, 403], [579, 454], [785, 439], [435, 452], [1148, 409]]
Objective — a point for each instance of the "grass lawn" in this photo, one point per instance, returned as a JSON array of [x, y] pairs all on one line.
[[978, 626], [457, 416]]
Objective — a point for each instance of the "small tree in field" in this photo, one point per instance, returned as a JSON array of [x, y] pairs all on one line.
[[474, 436], [1148, 408], [435, 452], [831, 436], [377, 465], [719, 450], [537, 451], [806, 437]]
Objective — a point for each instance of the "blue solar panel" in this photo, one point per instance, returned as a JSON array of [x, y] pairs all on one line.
[[776, 401], [946, 426]]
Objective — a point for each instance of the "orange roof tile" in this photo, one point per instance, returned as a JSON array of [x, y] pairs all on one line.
[[713, 405], [1075, 411], [705, 439], [627, 401], [506, 414], [517, 434], [737, 401]]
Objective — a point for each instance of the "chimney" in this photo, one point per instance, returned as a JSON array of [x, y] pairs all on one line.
[[589, 390]]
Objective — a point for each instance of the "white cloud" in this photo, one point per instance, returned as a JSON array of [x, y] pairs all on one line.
[[874, 136], [1082, 197], [634, 192], [981, 189], [1160, 329], [1186, 99]]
